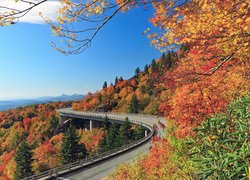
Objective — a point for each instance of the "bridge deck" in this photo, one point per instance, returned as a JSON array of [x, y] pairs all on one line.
[[102, 169]]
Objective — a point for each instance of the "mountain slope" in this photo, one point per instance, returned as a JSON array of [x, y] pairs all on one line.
[[147, 87]]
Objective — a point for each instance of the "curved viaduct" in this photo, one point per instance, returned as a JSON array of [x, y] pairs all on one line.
[[106, 164]]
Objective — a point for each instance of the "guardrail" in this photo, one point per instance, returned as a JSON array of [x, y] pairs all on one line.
[[60, 170], [69, 110]]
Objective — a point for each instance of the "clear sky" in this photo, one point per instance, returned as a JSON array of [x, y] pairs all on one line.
[[29, 67]]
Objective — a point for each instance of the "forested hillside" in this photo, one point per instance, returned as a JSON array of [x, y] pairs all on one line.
[[142, 93], [201, 86], [29, 142], [32, 142], [167, 87], [205, 136]]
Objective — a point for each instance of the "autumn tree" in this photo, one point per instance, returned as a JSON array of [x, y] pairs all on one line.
[[216, 32], [46, 156], [23, 160], [71, 150], [152, 107], [91, 139]]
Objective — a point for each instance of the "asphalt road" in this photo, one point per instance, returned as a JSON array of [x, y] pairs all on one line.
[[99, 170]]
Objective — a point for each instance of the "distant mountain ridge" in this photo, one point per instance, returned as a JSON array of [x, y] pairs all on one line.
[[10, 104]]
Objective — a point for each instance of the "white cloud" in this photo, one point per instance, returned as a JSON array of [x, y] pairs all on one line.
[[49, 9]]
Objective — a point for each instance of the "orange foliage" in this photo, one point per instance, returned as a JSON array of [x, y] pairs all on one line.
[[91, 139], [32, 122], [46, 157], [26, 123], [5, 159], [159, 154]]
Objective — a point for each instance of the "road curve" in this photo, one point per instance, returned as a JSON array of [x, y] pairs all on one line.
[[100, 170]]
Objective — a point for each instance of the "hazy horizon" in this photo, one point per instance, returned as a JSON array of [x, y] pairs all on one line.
[[35, 97]]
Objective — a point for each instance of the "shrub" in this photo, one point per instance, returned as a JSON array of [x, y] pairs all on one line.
[[221, 146]]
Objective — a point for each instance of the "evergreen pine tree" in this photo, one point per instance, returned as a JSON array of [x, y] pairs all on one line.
[[105, 85], [110, 139], [137, 72], [53, 124], [154, 65], [134, 104], [169, 60], [125, 133], [146, 69], [138, 132], [106, 124], [23, 160], [71, 150], [150, 87], [1, 151], [116, 80], [163, 58]]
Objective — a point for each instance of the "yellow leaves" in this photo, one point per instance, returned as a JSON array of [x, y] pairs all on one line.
[[56, 29], [67, 2], [145, 31], [103, 4], [246, 44], [203, 23], [7, 23], [204, 6], [60, 20], [98, 10], [63, 9], [239, 20]]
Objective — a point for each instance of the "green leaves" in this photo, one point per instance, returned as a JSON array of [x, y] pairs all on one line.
[[221, 147]]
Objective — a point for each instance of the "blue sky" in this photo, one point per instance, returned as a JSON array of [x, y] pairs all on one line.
[[29, 67]]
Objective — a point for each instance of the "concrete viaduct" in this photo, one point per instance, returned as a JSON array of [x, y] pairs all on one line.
[[97, 167]]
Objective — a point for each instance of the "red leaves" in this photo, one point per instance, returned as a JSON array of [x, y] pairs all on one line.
[[6, 157], [26, 123], [46, 155], [91, 138], [165, 108], [159, 154], [207, 68], [35, 126]]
